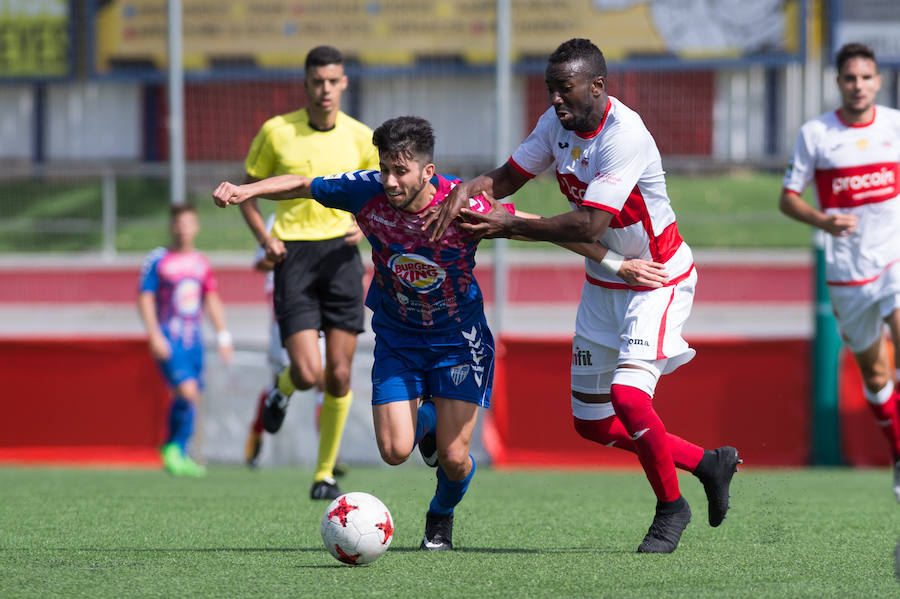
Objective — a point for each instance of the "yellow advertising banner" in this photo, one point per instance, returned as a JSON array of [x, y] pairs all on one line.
[[278, 33], [34, 38]]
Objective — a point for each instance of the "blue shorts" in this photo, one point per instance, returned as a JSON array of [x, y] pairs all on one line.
[[184, 364], [459, 365]]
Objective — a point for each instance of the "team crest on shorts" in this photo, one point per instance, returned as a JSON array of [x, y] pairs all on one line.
[[417, 272], [459, 373]]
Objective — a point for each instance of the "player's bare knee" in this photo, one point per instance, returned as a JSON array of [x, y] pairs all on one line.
[[393, 454], [876, 381], [454, 461], [304, 378], [337, 380]]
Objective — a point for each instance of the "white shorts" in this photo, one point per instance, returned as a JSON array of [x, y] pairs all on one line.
[[861, 309], [639, 325], [627, 327]]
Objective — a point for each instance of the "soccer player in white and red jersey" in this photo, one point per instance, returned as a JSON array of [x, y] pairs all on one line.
[[609, 168], [852, 156]]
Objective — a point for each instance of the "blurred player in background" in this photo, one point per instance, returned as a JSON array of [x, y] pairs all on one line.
[[432, 342], [852, 154], [628, 328], [176, 284], [278, 360], [318, 269]]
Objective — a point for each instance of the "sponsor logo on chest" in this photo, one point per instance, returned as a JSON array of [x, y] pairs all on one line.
[[417, 272]]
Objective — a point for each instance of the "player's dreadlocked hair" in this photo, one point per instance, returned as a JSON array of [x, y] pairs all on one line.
[[854, 50], [323, 55], [582, 50], [406, 136]]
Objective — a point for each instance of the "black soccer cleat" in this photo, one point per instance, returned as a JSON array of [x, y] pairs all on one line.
[[715, 471], [669, 522], [428, 449], [274, 409], [325, 489], [438, 532]]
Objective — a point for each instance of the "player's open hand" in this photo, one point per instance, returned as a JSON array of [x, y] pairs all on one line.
[[840, 224], [643, 273], [159, 346], [441, 216], [481, 225], [226, 352], [227, 194]]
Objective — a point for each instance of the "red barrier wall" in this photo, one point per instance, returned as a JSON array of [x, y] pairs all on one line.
[[80, 400], [862, 442], [753, 394]]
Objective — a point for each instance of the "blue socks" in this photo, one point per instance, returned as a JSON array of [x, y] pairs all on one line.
[[181, 422], [426, 420], [449, 492]]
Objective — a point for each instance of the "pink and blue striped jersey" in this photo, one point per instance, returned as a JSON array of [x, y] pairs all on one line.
[[418, 285], [180, 281]]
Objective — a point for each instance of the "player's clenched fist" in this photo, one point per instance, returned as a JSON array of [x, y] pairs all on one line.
[[229, 193]]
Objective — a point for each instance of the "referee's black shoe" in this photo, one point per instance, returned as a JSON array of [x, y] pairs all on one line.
[[274, 409]]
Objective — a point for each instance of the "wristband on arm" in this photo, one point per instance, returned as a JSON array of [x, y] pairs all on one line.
[[223, 338], [612, 261]]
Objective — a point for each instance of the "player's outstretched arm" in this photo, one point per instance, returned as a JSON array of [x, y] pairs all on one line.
[[634, 271], [580, 225], [498, 183], [839, 225], [157, 342], [282, 187]]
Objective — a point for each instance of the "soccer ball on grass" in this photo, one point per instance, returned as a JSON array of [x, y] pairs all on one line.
[[357, 528]]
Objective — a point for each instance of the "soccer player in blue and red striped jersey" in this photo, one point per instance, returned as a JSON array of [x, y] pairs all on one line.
[[434, 352], [176, 283]]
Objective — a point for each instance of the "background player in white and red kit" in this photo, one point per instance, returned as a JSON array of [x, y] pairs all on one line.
[[609, 168], [852, 155]]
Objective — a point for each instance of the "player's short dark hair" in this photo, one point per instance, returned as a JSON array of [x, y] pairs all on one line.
[[176, 210], [323, 55], [405, 136], [580, 50], [854, 50]]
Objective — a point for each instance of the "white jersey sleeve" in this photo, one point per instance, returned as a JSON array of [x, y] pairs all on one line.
[[535, 154], [801, 169]]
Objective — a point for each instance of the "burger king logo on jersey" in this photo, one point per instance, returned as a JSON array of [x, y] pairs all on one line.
[[417, 272]]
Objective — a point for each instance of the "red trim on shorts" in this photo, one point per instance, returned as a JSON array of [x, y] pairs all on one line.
[[662, 328], [610, 285], [515, 165], [862, 281]]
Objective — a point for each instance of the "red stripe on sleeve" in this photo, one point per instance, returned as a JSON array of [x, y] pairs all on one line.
[[513, 164]]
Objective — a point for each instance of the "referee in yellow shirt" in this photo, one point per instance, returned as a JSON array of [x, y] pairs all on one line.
[[318, 270]]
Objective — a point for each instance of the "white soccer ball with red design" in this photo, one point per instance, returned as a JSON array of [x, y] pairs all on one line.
[[357, 528]]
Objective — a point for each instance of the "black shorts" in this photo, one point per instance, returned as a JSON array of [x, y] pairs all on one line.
[[319, 286]]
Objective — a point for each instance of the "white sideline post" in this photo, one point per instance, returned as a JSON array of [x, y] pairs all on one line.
[[176, 105], [501, 146]]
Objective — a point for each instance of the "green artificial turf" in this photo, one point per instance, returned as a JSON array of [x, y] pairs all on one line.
[[238, 533]]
